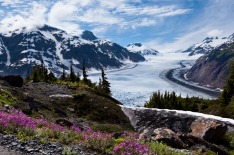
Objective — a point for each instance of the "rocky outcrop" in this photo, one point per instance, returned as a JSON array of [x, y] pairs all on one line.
[[209, 130], [164, 135], [35, 147], [179, 129], [144, 118]]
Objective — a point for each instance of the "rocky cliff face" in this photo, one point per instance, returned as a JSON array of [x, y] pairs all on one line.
[[56, 49], [213, 68]]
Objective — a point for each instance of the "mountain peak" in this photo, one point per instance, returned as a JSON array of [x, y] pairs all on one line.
[[208, 44], [49, 28], [88, 35], [135, 44], [141, 49]]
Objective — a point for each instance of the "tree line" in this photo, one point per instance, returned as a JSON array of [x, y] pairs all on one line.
[[41, 74], [169, 100]]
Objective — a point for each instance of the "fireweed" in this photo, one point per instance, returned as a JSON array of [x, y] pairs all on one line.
[[17, 123]]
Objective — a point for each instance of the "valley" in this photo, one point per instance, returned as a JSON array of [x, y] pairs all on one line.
[[134, 86]]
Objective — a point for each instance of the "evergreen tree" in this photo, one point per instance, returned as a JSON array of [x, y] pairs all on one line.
[[46, 78], [63, 76], [77, 77], [28, 77], [35, 75], [105, 83], [72, 74], [51, 77], [228, 91], [85, 76]]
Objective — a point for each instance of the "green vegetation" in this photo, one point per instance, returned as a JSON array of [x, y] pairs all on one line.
[[6, 98], [223, 106], [40, 74], [172, 101]]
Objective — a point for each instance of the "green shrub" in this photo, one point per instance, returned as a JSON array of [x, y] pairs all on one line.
[[78, 95], [6, 98]]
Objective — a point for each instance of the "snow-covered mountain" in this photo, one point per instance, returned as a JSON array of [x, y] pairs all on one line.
[[208, 44], [141, 49], [214, 68], [55, 48]]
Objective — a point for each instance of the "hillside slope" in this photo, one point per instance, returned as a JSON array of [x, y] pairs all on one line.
[[213, 69]]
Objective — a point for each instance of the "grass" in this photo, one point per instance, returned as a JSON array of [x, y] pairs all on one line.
[[6, 98]]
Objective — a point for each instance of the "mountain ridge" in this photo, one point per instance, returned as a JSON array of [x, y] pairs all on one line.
[[213, 68], [56, 49], [208, 44]]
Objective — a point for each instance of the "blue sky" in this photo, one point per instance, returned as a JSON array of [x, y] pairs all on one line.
[[166, 25]]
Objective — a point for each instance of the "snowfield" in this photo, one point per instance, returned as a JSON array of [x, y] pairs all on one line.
[[134, 86]]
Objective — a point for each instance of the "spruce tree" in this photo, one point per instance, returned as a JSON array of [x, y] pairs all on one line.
[[28, 77], [51, 77], [46, 78], [105, 83], [72, 74], [77, 77], [85, 76], [228, 91], [63, 76]]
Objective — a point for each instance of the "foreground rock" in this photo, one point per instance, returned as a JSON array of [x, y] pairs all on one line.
[[178, 129], [166, 136], [35, 147], [144, 118], [209, 130]]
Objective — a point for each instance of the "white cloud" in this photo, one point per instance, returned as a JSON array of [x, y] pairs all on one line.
[[60, 14], [122, 14], [179, 44], [175, 12], [99, 16], [10, 2], [214, 33], [29, 19]]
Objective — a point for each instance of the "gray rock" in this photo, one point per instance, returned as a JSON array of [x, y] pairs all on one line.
[[209, 130], [166, 136]]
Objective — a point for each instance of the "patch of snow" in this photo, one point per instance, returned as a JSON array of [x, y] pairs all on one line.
[[60, 96], [29, 50], [8, 62], [30, 60], [48, 35]]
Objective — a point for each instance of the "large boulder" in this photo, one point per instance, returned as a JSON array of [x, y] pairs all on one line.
[[13, 80], [209, 130], [164, 135], [201, 145]]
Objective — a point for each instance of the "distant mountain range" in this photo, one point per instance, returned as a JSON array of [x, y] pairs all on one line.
[[56, 49], [214, 67], [141, 49], [208, 45]]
